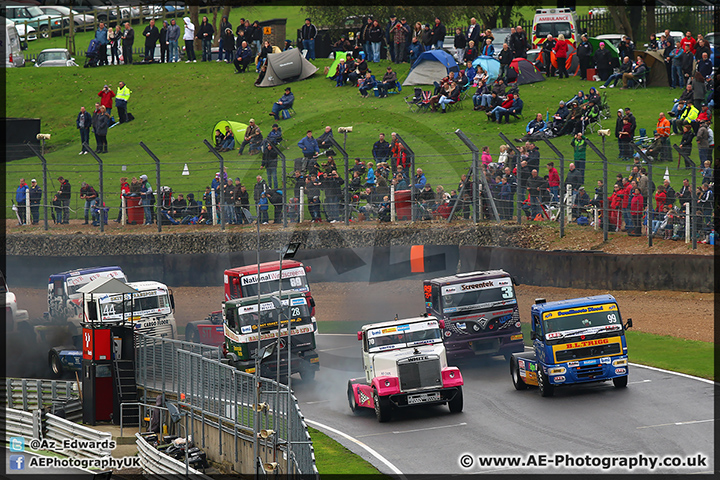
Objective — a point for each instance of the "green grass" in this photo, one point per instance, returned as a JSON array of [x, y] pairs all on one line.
[[332, 458], [177, 105]]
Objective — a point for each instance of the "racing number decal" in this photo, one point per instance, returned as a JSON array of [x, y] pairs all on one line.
[[109, 309], [295, 282], [428, 292], [295, 312], [612, 318], [507, 292]]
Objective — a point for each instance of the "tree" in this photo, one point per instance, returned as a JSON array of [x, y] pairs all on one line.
[[194, 18]]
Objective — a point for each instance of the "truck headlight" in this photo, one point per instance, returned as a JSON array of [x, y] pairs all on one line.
[[621, 362], [556, 371]]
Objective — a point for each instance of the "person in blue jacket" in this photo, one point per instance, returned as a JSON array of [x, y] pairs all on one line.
[[285, 102], [309, 145], [20, 197], [101, 35]]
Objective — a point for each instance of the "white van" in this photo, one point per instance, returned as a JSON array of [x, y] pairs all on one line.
[[13, 52], [554, 21]]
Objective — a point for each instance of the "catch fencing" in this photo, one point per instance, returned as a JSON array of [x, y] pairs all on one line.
[[220, 397], [33, 394]]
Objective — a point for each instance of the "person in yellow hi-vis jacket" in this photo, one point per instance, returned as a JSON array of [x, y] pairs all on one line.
[[121, 98]]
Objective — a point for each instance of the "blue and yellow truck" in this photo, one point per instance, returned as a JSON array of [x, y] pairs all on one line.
[[580, 340]]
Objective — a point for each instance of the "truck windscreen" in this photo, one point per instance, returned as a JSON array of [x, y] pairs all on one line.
[[587, 320], [401, 336], [269, 320], [294, 279], [477, 295], [554, 29], [144, 303]]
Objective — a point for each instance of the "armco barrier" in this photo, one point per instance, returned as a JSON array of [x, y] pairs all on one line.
[[31, 394], [18, 423], [60, 430], [385, 263], [159, 465], [596, 270]]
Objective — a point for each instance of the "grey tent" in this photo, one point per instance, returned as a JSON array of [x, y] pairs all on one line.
[[655, 62], [430, 67], [285, 67]]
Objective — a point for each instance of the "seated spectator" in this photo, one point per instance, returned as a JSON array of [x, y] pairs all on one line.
[[366, 84], [179, 206], [261, 75], [266, 50], [382, 169], [400, 180], [219, 138], [285, 102], [494, 114], [572, 122], [470, 71], [626, 67], [482, 89], [243, 57], [427, 202], [480, 76], [228, 140], [342, 45], [450, 95], [590, 114], [329, 166], [498, 90], [192, 208], [638, 72], [561, 114], [359, 166], [388, 81], [580, 203], [579, 98], [534, 127], [593, 96], [462, 79], [275, 135], [253, 137], [686, 114], [355, 184]]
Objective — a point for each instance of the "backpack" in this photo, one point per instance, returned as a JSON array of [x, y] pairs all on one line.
[[284, 114]]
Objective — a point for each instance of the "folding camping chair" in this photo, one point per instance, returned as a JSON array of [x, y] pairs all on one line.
[[413, 101], [397, 88]]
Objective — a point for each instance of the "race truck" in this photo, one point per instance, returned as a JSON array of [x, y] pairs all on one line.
[[241, 282], [243, 316], [405, 365], [581, 340], [15, 320], [479, 310], [150, 311]]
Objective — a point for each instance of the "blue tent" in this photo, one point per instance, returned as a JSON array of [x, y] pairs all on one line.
[[430, 67], [490, 65]]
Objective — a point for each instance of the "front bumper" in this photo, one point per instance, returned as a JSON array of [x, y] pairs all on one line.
[[587, 371], [424, 397]]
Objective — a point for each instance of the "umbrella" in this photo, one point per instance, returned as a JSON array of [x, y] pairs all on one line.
[[489, 64], [608, 46]]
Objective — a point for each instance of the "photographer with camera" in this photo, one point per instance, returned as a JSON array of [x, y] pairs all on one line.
[[106, 98]]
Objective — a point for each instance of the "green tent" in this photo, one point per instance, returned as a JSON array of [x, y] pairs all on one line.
[[333, 68], [237, 128], [609, 46]]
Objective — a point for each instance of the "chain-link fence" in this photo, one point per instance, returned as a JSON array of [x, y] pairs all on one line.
[[201, 383]]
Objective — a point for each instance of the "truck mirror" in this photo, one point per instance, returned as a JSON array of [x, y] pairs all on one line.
[[441, 323], [312, 302], [308, 269], [533, 336], [514, 281], [628, 324], [360, 336], [172, 301]]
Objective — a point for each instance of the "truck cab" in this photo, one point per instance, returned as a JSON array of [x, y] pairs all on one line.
[[241, 322], [150, 311], [580, 340], [479, 311], [405, 365]]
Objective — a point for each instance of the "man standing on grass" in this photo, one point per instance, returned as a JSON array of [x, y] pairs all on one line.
[[128, 37], [121, 100], [83, 122], [151, 34], [101, 35]]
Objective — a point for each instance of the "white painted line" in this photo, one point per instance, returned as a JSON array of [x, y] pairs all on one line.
[[336, 348], [640, 381], [414, 430], [337, 334], [691, 422], [317, 401], [367, 448], [691, 377]]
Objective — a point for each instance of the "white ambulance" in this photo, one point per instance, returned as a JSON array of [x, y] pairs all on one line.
[[554, 21]]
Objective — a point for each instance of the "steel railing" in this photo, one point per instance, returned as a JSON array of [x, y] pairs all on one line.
[[158, 464], [30, 394], [62, 431]]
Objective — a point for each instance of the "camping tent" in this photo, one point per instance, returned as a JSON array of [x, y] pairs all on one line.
[[333, 68], [285, 67], [527, 73], [490, 64], [572, 63], [655, 62], [237, 128], [431, 67]]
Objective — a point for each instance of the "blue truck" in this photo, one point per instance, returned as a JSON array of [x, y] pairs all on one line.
[[580, 340]]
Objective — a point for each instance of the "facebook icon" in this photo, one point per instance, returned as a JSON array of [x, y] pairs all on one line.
[[17, 462]]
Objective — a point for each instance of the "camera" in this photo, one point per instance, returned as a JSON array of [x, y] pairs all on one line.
[[345, 129]]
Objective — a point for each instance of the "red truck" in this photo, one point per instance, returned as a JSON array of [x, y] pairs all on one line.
[[242, 282]]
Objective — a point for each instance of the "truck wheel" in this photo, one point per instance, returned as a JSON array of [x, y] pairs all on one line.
[[508, 357], [192, 334], [307, 374], [546, 390], [56, 367], [517, 380], [383, 409], [620, 382], [456, 404], [351, 399]]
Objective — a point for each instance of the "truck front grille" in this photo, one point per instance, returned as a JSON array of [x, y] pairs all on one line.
[[587, 352], [419, 374]]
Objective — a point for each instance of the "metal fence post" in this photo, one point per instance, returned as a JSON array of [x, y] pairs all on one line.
[[101, 206], [518, 188], [222, 181], [477, 176], [561, 157], [158, 202], [606, 219]]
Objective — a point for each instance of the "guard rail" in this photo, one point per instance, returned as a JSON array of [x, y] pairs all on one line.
[[156, 463]]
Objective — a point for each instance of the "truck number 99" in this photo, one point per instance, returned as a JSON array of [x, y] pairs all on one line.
[[612, 318]]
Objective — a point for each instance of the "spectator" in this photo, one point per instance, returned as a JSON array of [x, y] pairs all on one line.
[[686, 114], [178, 207], [518, 43], [625, 47], [473, 31], [624, 139], [494, 114], [101, 35], [189, 38], [83, 123], [308, 32], [219, 138], [471, 52], [366, 84], [253, 137], [686, 143], [561, 51], [389, 80], [585, 56], [553, 181], [591, 114], [419, 181], [309, 147], [164, 44], [375, 37], [285, 102], [416, 48], [121, 100], [35, 193], [124, 192], [547, 48], [173, 36], [534, 186], [438, 35], [579, 207], [574, 178], [486, 158], [689, 41], [488, 50], [381, 149], [559, 118], [151, 34], [128, 37], [667, 46], [243, 57], [106, 98], [636, 210], [603, 61], [450, 95], [21, 196], [686, 63], [698, 87], [256, 37], [400, 156], [653, 43], [332, 184], [704, 65], [632, 120], [101, 123], [329, 166], [148, 199], [702, 139], [626, 67], [275, 135], [228, 140], [370, 180], [402, 34], [477, 97], [114, 36], [638, 72], [705, 205]]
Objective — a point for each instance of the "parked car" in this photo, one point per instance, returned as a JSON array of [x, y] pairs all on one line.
[[31, 15], [31, 32], [152, 11], [55, 57], [13, 58], [104, 10], [675, 34], [83, 21], [710, 39], [612, 38]]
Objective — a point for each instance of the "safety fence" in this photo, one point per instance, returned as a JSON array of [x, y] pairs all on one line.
[[154, 462], [32, 394], [18, 423], [224, 399]]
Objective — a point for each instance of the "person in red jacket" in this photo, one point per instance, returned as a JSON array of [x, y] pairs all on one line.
[[561, 50], [660, 198], [124, 190], [494, 114], [626, 195], [615, 205], [688, 40], [636, 209], [106, 98], [553, 181]]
